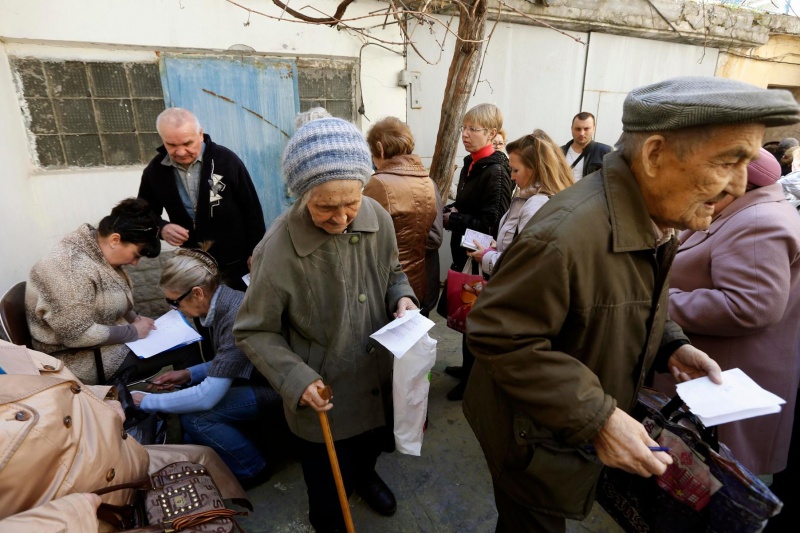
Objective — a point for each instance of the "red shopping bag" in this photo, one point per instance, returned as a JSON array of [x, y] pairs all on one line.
[[462, 289]]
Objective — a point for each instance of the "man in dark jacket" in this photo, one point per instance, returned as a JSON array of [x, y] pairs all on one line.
[[207, 192], [583, 154], [575, 315]]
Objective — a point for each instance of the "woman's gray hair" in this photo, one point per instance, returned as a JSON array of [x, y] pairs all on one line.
[[190, 268], [312, 114]]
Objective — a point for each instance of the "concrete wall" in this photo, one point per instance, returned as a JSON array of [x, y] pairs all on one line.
[[775, 64], [540, 78], [37, 207]]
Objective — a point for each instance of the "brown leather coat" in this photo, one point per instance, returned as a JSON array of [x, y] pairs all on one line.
[[403, 188], [59, 438]]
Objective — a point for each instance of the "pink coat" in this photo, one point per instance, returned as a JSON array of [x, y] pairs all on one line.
[[735, 291]]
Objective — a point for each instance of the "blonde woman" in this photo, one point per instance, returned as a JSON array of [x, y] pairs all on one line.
[[539, 169], [484, 193]]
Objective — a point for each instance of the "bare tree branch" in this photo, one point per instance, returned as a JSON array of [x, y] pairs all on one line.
[[330, 21]]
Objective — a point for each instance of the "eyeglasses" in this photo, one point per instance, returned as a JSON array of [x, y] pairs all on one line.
[[471, 129], [498, 143], [177, 301]]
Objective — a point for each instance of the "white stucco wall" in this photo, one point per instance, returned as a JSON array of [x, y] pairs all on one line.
[[37, 207]]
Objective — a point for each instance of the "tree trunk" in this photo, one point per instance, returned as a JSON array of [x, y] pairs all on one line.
[[460, 82]]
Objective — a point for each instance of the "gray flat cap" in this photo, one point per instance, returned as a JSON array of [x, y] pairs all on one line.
[[694, 101]]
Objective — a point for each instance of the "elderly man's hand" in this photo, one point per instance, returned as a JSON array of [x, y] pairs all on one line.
[[174, 234], [312, 399], [402, 304], [623, 443], [687, 363]]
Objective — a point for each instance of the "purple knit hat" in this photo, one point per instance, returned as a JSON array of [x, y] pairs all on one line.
[[763, 171]]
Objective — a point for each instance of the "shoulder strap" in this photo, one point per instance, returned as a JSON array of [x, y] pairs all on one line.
[[579, 158]]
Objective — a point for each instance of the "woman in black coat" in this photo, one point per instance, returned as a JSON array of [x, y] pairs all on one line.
[[484, 194]]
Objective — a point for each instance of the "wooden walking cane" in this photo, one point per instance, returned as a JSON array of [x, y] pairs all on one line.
[[327, 394]]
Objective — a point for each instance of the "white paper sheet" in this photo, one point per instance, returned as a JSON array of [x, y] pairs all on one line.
[[172, 331], [399, 335], [738, 397], [467, 241]]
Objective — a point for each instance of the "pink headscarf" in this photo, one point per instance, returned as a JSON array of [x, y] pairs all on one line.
[[763, 171]]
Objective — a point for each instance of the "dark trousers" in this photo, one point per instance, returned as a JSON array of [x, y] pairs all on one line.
[[469, 359], [179, 358], [515, 518], [357, 457]]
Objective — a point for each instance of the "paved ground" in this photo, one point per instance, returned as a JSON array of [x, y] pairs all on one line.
[[446, 489]]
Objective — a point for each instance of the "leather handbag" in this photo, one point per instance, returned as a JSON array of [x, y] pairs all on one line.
[[146, 428], [705, 489], [181, 496]]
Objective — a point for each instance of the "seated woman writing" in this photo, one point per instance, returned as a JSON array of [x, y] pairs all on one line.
[[224, 392], [78, 296]]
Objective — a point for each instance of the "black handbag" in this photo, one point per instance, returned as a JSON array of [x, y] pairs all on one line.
[[146, 428], [705, 489]]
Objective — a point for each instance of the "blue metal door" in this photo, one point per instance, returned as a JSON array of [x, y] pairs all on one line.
[[246, 104]]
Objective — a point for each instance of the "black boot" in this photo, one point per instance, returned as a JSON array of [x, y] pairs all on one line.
[[457, 394], [377, 495], [454, 371]]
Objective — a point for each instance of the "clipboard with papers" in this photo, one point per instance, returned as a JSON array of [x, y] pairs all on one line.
[[172, 331]]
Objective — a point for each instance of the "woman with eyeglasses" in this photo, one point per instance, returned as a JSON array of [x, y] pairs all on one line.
[[539, 170], [224, 393], [483, 195], [79, 295]]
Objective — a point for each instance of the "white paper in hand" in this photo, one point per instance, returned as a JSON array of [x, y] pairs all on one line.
[[738, 397], [470, 236], [171, 331], [399, 335]]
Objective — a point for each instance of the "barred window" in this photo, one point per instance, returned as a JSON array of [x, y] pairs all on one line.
[[330, 84], [90, 114]]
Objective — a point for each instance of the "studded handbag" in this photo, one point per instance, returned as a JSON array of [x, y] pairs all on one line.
[[181, 496]]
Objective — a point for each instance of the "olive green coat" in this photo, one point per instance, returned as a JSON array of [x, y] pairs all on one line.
[[313, 301], [565, 331]]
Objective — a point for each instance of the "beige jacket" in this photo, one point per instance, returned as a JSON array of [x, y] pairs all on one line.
[[59, 437]]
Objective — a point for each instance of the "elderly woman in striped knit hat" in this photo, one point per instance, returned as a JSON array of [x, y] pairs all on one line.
[[326, 276]]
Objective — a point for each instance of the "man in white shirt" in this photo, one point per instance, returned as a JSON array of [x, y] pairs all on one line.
[[584, 155]]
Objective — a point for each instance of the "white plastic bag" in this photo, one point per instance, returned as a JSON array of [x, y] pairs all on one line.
[[410, 387]]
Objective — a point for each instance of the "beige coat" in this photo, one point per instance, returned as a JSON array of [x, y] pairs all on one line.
[[313, 301], [403, 188], [59, 437]]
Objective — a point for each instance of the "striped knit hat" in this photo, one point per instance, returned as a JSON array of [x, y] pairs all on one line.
[[323, 150], [695, 101]]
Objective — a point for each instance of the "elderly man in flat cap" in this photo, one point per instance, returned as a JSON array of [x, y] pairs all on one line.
[[575, 315]]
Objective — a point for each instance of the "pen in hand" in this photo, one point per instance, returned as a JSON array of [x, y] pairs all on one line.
[[590, 449]]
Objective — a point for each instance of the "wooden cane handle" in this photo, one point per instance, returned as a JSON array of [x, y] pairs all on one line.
[[325, 392]]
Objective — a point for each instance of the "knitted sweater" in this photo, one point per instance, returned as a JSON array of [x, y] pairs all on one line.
[[229, 361], [75, 298]]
